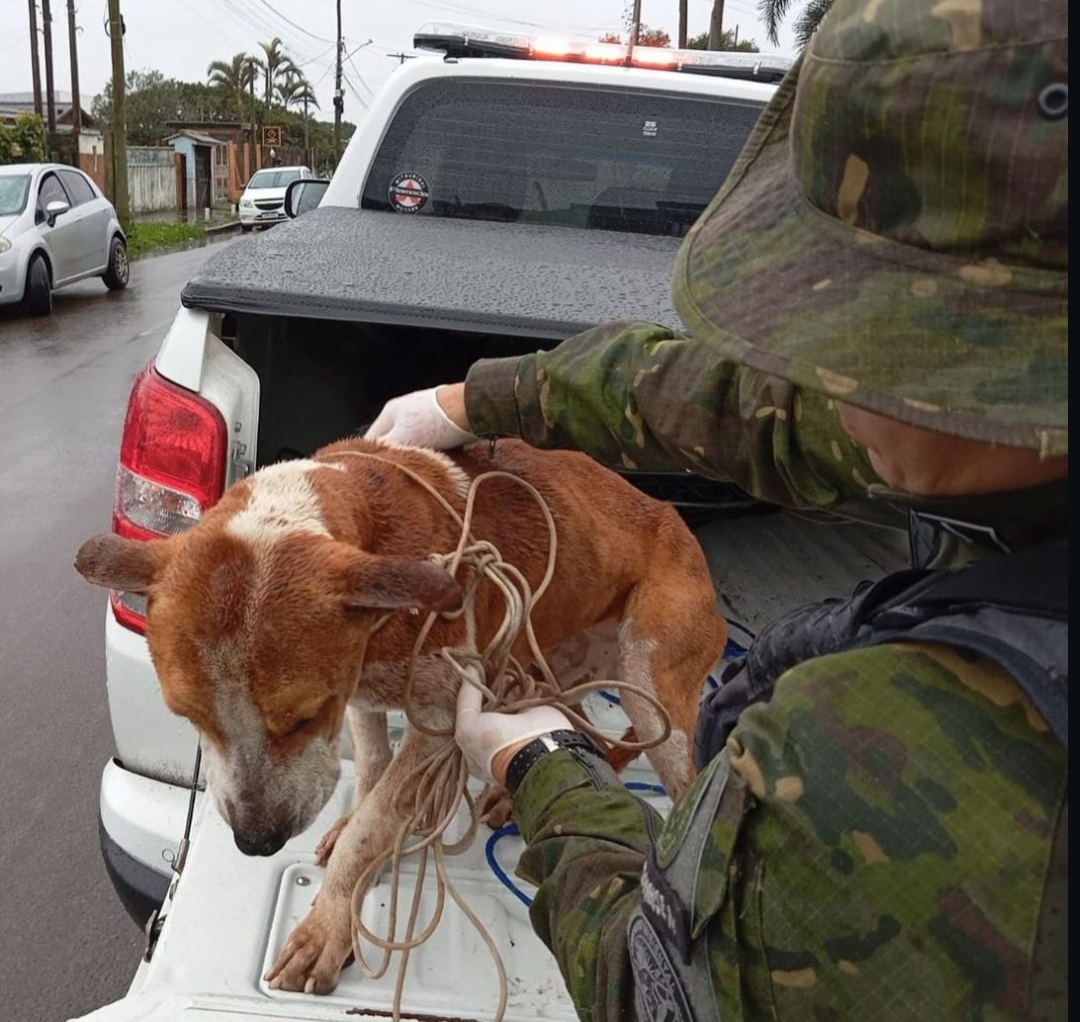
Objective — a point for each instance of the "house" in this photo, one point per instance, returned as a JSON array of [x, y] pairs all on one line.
[[205, 162], [91, 139]]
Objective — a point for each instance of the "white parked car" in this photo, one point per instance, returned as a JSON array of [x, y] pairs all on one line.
[[55, 228], [263, 201]]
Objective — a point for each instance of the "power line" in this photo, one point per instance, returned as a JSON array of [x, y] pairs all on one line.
[[15, 42], [299, 28], [359, 76], [352, 88]]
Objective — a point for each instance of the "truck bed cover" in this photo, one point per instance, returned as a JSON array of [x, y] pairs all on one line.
[[505, 278]]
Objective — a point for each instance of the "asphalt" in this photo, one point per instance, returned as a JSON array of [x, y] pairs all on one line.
[[66, 944]]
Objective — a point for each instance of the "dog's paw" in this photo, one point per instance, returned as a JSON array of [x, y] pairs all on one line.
[[328, 840], [316, 950], [495, 806]]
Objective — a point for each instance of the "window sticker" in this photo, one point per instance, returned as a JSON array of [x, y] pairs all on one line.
[[409, 193]]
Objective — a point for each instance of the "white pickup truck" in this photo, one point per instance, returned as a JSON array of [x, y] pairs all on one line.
[[497, 197]]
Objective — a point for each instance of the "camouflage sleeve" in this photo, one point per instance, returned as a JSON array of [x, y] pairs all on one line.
[[587, 841], [638, 396]]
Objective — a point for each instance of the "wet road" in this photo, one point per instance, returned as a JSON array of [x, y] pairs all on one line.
[[66, 944]]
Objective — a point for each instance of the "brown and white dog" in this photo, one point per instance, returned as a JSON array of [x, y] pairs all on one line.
[[259, 620]]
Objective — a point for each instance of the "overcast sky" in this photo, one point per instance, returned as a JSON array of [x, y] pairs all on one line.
[[180, 37]]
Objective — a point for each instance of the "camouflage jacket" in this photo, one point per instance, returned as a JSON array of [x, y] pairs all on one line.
[[899, 852], [902, 852], [639, 396]]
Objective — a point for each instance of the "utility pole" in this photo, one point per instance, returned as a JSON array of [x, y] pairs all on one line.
[[402, 57], [119, 125], [76, 107], [716, 26], [35, 66], [307, 141], [635, 29], [339, 95], [50, 93], [252, 71], [683, 4]]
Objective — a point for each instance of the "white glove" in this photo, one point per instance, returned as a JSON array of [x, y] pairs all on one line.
[[417, 420], [482, 736]]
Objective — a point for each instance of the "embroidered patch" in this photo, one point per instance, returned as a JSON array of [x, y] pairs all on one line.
[[658, 993], [665, 910]]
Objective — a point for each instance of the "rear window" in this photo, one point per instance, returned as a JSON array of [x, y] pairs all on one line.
[[601, 160]]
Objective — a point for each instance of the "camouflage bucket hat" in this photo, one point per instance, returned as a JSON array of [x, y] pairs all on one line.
[[894, 233]]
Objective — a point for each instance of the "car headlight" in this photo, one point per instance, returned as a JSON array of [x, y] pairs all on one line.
[[4, 245], [247, 202]]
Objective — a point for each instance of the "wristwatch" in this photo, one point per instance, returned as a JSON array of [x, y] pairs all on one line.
[[525, 758]]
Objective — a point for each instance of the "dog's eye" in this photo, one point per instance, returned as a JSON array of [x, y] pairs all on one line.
[[299, 726]]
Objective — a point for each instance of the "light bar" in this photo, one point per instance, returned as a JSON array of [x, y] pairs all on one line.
[[456, 41]]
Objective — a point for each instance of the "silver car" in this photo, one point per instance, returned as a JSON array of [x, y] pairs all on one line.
[[55, 228]]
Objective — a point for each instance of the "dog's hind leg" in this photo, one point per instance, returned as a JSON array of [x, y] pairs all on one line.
[[371, 756], [669, 640]]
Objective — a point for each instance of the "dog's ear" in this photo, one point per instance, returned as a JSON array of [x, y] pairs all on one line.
[[387, 583], [117, 563]]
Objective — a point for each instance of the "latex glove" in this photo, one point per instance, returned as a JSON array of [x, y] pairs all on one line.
[[489, 740], [417, 419]]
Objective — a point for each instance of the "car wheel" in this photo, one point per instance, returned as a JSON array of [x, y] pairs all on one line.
[[118, 274], [247, 228], [38, 292]]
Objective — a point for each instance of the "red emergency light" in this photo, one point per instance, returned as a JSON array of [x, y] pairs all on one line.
[[460, 41]]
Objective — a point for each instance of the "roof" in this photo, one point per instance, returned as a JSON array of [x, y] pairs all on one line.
[[14, 103], [196, 136]]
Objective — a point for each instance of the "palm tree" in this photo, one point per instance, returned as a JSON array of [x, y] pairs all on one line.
[[296, 89], [234, 78], [276, 66], [774, 11]]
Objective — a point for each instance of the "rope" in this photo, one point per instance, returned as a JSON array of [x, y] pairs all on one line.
[[440, 782]]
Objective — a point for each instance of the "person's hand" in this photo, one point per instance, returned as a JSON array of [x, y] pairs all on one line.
[[425, 418], [490, 740]]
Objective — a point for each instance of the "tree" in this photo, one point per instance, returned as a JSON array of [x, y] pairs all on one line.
[[728, 43], [23, 141], [646, 37], [295, 90], [234, 79], [774, 11], [276, 67], [151, 101]]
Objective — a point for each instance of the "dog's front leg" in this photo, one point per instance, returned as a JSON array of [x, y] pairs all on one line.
[[317, 949], [371, 756]]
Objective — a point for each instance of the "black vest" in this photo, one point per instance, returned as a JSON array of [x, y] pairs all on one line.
[[1012, 609]]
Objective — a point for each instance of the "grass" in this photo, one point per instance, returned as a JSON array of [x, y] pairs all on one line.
[[144, 238]]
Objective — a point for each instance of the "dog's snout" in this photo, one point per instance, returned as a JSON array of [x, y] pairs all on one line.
[[261, 844]]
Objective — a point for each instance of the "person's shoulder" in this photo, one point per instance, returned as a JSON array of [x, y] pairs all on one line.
[[905, 706], [931, 676]]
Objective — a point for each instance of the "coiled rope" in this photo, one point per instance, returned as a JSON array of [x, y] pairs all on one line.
[[439, 783]]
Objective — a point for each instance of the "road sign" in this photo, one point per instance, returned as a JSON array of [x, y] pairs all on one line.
[[271, 135]]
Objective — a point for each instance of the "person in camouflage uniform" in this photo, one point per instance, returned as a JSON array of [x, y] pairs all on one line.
[[877, 304]]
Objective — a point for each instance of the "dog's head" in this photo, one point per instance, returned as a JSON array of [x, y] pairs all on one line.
[[258, 639]]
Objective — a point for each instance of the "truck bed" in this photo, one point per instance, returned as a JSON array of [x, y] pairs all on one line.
[[232, 914]]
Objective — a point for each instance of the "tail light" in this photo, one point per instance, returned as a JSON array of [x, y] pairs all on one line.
[[172, 468]]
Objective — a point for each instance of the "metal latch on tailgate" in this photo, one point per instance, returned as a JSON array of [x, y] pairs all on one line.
[[157, 917]]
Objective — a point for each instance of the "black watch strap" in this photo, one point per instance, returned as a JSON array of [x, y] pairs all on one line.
[[524, 759]]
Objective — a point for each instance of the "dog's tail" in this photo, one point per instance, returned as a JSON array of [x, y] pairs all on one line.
[[619, 759]]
